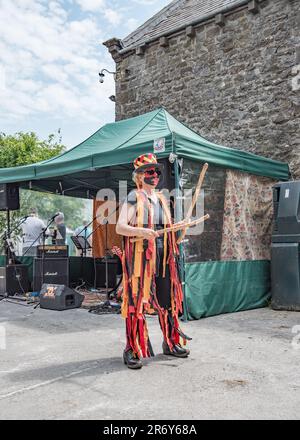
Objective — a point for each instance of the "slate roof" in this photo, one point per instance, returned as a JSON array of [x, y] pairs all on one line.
[[177, 13]]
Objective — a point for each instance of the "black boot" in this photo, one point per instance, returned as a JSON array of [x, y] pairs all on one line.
[[131, 360], [177, 350]]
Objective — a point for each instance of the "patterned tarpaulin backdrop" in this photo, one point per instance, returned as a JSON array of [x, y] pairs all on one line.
[[247, 222]]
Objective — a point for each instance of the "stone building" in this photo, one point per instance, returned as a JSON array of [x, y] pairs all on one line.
[[229, 69]]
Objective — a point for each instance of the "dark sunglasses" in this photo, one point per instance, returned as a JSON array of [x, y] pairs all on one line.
[[152, 172]]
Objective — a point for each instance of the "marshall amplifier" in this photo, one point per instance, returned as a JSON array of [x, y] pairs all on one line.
[[52, 251], [14, 279], [9, 197], [56, 271], [59, 297]]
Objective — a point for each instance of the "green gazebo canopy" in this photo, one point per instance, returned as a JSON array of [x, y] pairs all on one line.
[[105, 157]]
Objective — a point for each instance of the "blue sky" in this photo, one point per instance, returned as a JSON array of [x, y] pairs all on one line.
[[50, 56]]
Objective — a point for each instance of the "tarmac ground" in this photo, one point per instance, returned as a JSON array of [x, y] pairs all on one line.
[[68, 365]]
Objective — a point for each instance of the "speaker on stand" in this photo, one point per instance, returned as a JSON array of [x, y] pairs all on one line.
[[9, 197], [13, 277], [9, 201]]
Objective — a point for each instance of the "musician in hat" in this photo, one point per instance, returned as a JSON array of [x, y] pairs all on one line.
[[150, 269]]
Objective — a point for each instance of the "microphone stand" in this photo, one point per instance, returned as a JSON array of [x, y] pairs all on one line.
[[83, 249], [85, 231], [43, 243], [43, 233], [95, 218], [86, 237], [6, 236], [10, 256]]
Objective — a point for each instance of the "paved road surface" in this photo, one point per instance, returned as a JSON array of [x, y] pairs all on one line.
[[67, 365]]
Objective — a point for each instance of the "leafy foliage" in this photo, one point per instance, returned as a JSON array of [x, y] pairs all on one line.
[[48, 204], [24, 149]]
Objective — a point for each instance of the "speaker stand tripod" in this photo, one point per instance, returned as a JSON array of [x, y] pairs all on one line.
[[11, 263]]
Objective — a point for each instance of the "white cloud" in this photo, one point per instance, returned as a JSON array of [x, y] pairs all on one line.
[[57, 10], [2, 78], [91, 5], [112, 16], [51, 63], [132, 24], [50, 56], [146, 2], [55, 72]]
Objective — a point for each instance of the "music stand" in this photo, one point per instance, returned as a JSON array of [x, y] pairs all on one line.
[[81, 243]]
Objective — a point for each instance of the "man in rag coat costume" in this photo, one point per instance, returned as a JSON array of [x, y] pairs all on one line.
[[150, 267]]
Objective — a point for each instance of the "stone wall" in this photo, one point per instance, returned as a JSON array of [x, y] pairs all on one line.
[[237, 85]]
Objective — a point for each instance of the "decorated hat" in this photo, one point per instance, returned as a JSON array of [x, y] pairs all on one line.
[[145, 161]]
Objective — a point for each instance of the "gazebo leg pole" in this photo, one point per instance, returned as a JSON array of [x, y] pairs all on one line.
[[178, 217]]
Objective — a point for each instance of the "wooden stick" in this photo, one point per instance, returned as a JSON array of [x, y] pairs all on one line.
[[194, 200], [176, 227]]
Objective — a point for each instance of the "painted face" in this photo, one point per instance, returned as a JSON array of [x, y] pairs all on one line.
[[151, 176]]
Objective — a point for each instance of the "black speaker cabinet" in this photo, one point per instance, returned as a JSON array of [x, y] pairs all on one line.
[[286, 203], [9, 197], [56, 271], [59, 297], [112, 265], [285, 276], [14, 279]]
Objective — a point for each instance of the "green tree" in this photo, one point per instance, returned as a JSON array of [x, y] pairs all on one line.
[[27, 148], [48, 204]]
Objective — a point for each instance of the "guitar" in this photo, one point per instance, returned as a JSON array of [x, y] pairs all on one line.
[[117, 251]]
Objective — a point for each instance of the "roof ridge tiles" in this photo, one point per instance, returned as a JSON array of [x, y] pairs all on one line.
[[177, 13]]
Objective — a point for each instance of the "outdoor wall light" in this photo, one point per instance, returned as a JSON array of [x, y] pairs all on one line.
[[112, 98], [101, 75]]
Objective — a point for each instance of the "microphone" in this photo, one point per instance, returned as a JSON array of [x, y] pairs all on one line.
[[55, 215], [22, 219]]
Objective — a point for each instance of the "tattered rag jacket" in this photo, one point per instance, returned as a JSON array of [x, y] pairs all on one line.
[[140, 268]]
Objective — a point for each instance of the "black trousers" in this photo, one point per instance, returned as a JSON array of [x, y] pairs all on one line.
[[163, 285]]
